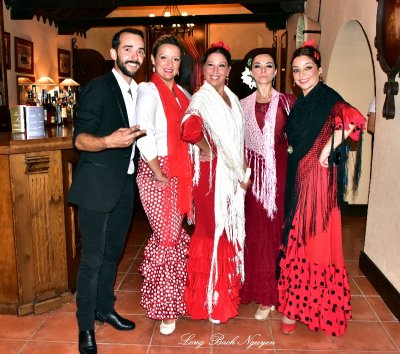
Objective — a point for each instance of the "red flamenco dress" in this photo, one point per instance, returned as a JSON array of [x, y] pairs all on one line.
[[314, 284], [264, 234], [202, 243]]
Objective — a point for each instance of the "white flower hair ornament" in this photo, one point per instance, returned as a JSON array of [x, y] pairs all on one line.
[[246, 75]]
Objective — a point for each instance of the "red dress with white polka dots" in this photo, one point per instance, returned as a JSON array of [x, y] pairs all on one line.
[[164, 265]]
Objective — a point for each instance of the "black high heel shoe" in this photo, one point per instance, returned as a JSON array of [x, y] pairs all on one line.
[[87, 342], [115, 320]]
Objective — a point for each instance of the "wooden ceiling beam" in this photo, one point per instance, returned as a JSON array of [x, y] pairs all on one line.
[[96, 4]]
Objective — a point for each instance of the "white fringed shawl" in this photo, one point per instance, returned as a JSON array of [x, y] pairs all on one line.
[[260, 147], [224, 125]]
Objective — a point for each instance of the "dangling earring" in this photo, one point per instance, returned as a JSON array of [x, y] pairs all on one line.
[[154, 69], [227, 81], [321, 79], [273, 82]]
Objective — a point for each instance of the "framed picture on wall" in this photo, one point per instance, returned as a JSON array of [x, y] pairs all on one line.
[[24, 84], [23, 55], [64, 62], [6, 47]]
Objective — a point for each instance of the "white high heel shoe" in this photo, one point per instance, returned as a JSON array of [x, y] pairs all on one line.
[[167, 328], [214, 321], [262, 315]]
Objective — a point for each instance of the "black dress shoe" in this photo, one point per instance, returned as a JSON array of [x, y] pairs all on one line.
[[115, 320], [87, 342]]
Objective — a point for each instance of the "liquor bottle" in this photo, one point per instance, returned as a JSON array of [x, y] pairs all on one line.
[[30, 101], [43, 102], [57, 114], [64, 107], [35, 95], [49, 111]]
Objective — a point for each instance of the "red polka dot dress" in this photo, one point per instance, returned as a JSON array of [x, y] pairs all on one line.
[[314, 284]]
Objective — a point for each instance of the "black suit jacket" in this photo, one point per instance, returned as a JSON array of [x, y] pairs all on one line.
[[99, 177]]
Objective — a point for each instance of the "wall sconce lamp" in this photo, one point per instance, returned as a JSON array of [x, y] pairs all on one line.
[[45, 81]]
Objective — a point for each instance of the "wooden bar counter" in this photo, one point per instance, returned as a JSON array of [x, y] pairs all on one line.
[[39, 247]]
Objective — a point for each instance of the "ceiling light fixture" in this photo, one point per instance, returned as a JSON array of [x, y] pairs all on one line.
[[172, 28]]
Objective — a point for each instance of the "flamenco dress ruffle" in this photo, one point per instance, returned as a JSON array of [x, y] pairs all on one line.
[[165, 256]]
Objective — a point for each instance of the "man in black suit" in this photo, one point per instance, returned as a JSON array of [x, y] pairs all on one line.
[[103, 183]]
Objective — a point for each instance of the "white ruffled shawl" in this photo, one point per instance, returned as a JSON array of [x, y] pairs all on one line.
[[224, 125]]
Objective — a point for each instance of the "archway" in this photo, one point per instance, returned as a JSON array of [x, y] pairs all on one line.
[[351, 73]]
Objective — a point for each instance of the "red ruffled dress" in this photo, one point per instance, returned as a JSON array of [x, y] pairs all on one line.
[[314, 284], [263, 234], [202, 243]]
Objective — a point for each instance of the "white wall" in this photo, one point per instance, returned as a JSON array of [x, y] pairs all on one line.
[[45, 43]]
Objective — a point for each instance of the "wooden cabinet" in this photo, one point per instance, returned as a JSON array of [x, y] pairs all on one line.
[[36, 238]]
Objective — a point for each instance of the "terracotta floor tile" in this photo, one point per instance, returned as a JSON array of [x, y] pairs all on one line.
[[50, 348], [132, 282], [135, 265], [125, 264], [141, 251], [367, 336], [353, 269], [365, 286], [188, 334], [361, 311], [128, 302], [228, 350], [302, 339], [354, 289], [242, 334], [11, 346], [141, 335], [373, 328], [122, 349], [131, 251], [351, 252], [247, 310], [69, 307], [180, 350], [118, 280], [284, 351], [393, 328], [380, 308], [59, 326], [368, 352], [13, 327]]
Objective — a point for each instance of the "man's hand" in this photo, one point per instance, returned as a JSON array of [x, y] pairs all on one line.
[[121, 138], [124, 137]]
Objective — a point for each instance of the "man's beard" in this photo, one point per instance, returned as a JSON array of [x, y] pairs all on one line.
[[124, 69]]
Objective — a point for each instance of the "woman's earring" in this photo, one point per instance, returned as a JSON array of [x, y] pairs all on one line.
[[273, 81], [154, 69], [227, 80]]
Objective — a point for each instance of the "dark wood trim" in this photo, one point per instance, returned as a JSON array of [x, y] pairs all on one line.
[[355, 209], [383, 286]]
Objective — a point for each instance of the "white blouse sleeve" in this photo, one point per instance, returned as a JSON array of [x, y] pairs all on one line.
[[146, 111]]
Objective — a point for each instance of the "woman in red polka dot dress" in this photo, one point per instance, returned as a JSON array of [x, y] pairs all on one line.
[[164, 183], [313, 284]]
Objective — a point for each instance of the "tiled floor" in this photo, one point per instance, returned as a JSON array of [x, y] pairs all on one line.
[[373, 328]]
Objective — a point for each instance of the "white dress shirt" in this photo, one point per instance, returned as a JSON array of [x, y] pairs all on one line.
[[130, 103], [151, 117]]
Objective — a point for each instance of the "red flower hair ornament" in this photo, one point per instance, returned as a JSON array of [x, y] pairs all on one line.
[[310, 43], [220, 44], [313, 44]]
